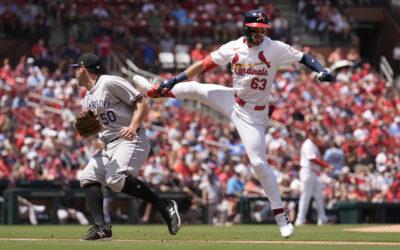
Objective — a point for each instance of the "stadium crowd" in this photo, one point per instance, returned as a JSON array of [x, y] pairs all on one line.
[[126, 20], [192, 151], [326, 18], [201, 155]]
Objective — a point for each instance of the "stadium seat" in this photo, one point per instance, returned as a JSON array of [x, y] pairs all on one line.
[[182, 60], [167, 60]]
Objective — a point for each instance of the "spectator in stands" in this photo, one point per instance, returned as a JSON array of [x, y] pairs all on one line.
[[149, 55], [167, 43], [40, 52], [396, 59], [7, 73], [198, 53], [234, 190], [211, 196], [394, 128], [334, 155], [103, 45]]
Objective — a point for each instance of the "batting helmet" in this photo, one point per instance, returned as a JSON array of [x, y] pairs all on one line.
[[254, 19]]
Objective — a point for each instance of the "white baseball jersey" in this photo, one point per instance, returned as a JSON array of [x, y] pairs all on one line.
[[254, 69], [111, 98], [309, 151]]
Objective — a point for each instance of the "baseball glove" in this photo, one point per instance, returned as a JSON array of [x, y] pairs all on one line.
[[87, 124]]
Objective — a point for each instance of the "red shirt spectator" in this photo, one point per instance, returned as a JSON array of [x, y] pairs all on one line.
[[39, 50], [104, 44], [198, 53], [4, 171]]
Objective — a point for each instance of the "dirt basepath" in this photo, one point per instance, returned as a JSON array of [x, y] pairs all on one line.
[[376, 229]]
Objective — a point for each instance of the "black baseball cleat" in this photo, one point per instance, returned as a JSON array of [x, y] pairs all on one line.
[[97, 232], [170, 214]]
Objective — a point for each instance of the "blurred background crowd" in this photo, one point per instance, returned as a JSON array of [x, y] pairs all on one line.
[[194, 151]]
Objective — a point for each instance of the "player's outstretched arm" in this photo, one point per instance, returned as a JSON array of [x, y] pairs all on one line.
[[312, 63], [194, 70]]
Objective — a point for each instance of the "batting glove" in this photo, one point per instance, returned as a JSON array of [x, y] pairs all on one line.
[[325, 76], [167, 85]]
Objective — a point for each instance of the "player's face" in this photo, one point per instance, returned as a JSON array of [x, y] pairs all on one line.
[[258, 34], [78, 74]]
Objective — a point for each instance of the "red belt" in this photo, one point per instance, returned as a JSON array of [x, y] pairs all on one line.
[[242, 102]]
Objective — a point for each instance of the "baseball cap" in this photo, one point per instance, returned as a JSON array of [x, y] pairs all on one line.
[[90, 61], [256, 19]]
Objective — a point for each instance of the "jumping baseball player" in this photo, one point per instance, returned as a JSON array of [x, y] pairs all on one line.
[[311, 163], [115, 110], [254, 60]]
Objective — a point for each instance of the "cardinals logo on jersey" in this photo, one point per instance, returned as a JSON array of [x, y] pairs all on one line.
[[250, 68], [263, 59], [235, 59]]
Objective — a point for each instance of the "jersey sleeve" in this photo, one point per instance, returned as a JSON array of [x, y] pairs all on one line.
[[287, 54], [123, 90], [223, 55]]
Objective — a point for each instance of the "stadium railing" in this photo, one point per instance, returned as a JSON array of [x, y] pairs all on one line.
[[353, 212]]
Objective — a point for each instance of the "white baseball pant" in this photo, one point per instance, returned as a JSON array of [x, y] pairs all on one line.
[[250, 124], [310, 187]]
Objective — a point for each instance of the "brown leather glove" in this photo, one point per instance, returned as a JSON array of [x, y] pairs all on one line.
[[87, 124]]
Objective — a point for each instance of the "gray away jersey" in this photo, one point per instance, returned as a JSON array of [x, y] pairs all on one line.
[[111, 99]]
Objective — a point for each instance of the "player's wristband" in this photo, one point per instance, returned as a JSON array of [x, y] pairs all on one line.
[[181, 77], [311, 62]]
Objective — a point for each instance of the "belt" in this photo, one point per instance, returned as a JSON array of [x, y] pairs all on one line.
[[116, 138], [242, 103], [112, 140]]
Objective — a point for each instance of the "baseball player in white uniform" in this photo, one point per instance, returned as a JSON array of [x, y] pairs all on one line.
[[121, 110], [311, 163], [254, 60]]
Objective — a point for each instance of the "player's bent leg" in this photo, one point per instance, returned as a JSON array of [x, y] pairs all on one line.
[[92, 179], [219, 98], [148, 89], [94, 197], [127, 158], [168, 209]]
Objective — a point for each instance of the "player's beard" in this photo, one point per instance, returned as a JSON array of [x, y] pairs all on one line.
[[257, 40]]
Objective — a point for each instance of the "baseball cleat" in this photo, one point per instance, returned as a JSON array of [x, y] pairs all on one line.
[[145, 87], [285, 227], [97, 232], [171, 216]]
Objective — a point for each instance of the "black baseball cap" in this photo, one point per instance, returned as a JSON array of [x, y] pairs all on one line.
[[90, 61]]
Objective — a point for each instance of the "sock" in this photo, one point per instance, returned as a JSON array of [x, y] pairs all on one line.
[[278, 211], [135, 187], [94, 197]]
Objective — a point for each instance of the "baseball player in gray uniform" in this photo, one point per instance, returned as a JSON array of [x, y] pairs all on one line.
[[120, 109]]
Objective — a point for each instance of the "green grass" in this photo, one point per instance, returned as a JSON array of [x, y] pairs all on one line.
[[201, 237]]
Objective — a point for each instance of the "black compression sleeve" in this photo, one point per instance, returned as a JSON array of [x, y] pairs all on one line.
[[311, 62]]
